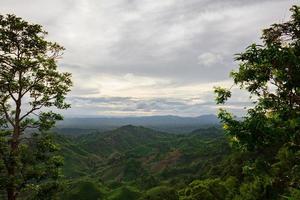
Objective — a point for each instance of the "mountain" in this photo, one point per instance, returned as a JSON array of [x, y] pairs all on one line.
[[129, 160], [132, 161], [168, 123], [121, 139]]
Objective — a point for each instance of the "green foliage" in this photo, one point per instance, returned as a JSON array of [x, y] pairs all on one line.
[[161, 192], [83, 190], [166, 160], [133, 169], [222, 94], [270, 131], [163, 156], [294, 194], [124, 193], [210, 189], [40, 164], [29, 81], [147, 181]]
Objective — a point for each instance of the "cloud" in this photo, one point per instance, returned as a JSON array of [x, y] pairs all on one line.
[[208, 59], [120, 106], [147, 49]]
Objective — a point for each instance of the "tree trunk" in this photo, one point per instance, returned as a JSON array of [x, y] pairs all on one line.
[[11, 189], [11, 194], [14, 146]]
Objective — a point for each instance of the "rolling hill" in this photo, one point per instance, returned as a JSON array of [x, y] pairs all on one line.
[[134, 159]]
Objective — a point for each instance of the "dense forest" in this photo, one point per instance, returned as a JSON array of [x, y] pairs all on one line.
[[255, 157], [131, 162]]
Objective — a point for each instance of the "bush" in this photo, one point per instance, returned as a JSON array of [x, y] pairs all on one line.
[[83, 190], [161, 192]]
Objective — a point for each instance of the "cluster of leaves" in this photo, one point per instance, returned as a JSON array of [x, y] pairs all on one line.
[[39, 163], [270, 131]]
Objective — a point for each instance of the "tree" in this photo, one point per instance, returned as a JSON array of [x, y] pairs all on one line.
[[161, 192], [29, 82], [270, 72], [210, 189]]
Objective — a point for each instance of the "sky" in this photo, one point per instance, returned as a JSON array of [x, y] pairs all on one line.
[[151, 57]]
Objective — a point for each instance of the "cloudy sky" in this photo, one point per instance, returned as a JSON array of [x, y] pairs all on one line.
[[150, 57]]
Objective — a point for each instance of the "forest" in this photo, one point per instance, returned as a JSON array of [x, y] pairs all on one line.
[[253, 157]]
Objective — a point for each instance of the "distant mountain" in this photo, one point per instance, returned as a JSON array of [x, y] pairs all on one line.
[[168, 123]]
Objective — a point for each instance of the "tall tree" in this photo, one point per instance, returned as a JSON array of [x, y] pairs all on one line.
[[270, 72], [29, 81]]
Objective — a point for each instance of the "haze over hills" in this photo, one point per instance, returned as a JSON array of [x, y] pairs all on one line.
[[167, 123]]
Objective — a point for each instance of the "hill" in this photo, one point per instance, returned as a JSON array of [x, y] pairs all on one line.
[[141, 158]]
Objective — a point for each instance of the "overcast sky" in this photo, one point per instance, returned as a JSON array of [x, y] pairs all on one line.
[[150, 57]]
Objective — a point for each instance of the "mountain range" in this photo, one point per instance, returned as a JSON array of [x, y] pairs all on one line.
[[167, 123]]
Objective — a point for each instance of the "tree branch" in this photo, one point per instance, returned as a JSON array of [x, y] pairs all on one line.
[[34, 108], [7, 115]]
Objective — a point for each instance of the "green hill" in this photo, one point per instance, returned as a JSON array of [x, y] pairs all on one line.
[[122, 139], [130, 159]]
